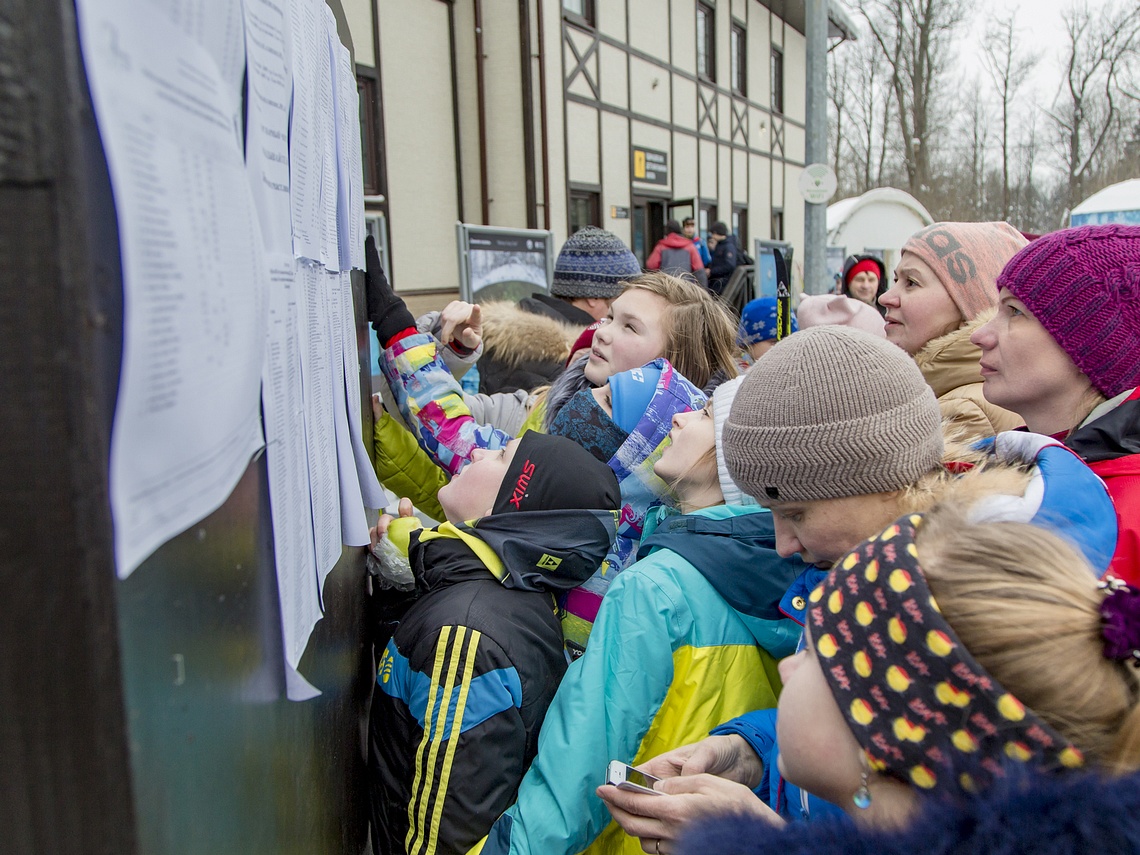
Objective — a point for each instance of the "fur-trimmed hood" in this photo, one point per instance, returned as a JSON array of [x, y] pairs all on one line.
[[513, 336], [951, 360], [950, 364]]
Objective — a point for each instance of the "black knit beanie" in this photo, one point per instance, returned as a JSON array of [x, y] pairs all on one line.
[[550, 473]]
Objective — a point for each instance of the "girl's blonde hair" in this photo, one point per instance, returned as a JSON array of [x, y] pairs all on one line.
[[1026, 605], [701, 332], [704, 466]]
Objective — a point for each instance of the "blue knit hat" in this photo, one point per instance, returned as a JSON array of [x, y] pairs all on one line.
[[593, 263], [758, 322]]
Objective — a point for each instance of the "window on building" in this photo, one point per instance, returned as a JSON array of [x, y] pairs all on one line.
[[740, 225], [585, 209], [739, 53], [371, 142], [579, 11], [706, 216], [777, 80], [777, 224], [706, 42]]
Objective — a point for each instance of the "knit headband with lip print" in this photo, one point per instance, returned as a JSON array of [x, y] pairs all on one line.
[[923, 709]]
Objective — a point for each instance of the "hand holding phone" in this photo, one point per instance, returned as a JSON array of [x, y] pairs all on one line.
[[625, 777]]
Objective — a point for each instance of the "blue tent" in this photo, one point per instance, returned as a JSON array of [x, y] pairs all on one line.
[[1118, 203]]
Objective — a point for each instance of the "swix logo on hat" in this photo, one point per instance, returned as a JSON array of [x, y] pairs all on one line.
[[520, 485]]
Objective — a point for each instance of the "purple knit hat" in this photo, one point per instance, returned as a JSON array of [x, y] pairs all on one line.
[[1083, 285]]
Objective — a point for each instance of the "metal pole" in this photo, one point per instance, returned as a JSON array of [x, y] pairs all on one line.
[[815, 216]]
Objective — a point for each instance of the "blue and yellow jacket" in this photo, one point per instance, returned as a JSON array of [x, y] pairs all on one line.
[[686, 638], [464, 683]]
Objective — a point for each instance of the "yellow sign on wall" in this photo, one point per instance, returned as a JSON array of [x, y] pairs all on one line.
[[650, 166]]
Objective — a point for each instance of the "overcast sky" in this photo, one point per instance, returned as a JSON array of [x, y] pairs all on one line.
[[1040, 30]]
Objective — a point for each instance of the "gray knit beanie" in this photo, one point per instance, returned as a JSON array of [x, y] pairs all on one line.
[[831, 412], [593, 263]]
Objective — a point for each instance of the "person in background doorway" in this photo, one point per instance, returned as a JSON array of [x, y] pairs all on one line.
[[865, 280], [725, 256], [689, 226], [677, 255]]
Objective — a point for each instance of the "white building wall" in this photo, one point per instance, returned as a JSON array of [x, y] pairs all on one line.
[[615, 176], [358, 13], [642, 95], [582, 156], [506, 177], [416, 82]]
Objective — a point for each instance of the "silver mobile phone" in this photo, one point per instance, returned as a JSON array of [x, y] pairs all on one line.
[[625, 777]]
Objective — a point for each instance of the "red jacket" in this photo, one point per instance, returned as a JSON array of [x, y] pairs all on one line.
[[1122, 477], [1110, 445], [675, 241]]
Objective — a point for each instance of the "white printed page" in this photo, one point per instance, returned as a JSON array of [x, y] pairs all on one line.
[[298, 581], [317, 381], [267, 127], [307, 38], [187, 418], [326, 125], [370, 489], [353, 520]]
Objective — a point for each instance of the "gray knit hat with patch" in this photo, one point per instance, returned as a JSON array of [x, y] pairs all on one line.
[[831, 412], [593, 263]]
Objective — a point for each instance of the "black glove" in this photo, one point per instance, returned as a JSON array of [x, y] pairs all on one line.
[[387, 311]]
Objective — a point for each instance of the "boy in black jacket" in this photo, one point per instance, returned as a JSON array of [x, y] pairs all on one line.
[[465, 681]]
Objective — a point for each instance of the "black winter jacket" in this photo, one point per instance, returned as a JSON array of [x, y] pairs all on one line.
[[725, 257], [465, 681]]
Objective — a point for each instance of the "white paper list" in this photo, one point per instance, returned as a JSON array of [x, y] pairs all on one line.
[[320, 425], [216, 25], [267, 126], [326, 124], [350, 176], [298, 582], [353, 520], [370, 489], [187, 418], [307, 38]]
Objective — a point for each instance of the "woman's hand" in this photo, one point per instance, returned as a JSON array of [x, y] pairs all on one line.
[[378, 531], [729, 756], [461, 322], [660, 820]]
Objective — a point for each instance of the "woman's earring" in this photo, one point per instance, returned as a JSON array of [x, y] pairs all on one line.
[[862, 797]]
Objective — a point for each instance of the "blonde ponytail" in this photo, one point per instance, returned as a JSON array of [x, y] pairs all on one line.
[[1027, 606]]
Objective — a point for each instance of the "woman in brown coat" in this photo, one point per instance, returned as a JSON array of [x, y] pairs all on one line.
[[944, 288]]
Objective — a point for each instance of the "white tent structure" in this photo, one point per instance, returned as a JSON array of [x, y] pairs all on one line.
[[876, 223], [1117, 203]]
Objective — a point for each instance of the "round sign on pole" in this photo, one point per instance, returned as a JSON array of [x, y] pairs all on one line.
[[817, 183]]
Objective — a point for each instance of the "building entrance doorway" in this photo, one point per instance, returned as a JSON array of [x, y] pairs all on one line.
[[648, 216]]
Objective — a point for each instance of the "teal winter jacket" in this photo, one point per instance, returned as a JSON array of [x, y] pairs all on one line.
[[686, 638]]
